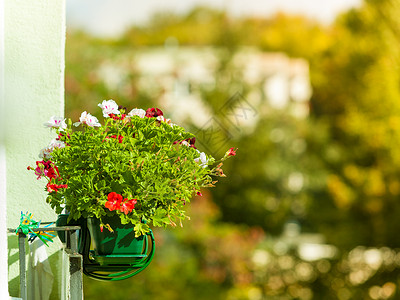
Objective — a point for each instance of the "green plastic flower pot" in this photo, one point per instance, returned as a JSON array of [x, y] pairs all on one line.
[[119, 243]]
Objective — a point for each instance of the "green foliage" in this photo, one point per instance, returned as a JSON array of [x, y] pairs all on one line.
[[147, 161]]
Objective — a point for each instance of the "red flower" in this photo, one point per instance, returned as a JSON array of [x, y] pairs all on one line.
[[231, 152], [114, 196], [114, 201], [52, 187], [115, 117], [191, 142], [114, 136], [127, 205], [60, 135], [52, 172], [153, 112], [188, 142]]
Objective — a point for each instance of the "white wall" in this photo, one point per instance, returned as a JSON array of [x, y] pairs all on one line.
[[3, 226], [33, 90]]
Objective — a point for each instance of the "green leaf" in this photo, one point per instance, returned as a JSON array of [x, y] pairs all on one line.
[[141, 229], [160, 218]]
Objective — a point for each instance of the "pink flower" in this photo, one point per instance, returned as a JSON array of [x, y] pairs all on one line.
[[47, 169]]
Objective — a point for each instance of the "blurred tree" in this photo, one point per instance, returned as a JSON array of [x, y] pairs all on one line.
[[201, 26], [336, 173], [359, 95]]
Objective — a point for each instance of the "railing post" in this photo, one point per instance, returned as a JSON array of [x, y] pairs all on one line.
[[75, 267], [74, 272], [22, 265]]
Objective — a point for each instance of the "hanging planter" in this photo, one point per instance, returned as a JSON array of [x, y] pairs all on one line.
[[110, 256], [137, 169], [116, 255], [121, 241]]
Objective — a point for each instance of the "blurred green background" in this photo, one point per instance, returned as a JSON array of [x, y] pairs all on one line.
[[310, 205]]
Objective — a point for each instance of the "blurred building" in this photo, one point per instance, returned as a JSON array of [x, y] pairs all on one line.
[[178, 74]]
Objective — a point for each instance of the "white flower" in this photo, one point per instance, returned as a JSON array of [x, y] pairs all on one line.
[[46, 152], [109, 107], [57, 144], [137, 112], [160, 118], [169, 122], [56, 122], [88, 119], [202, 158]]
